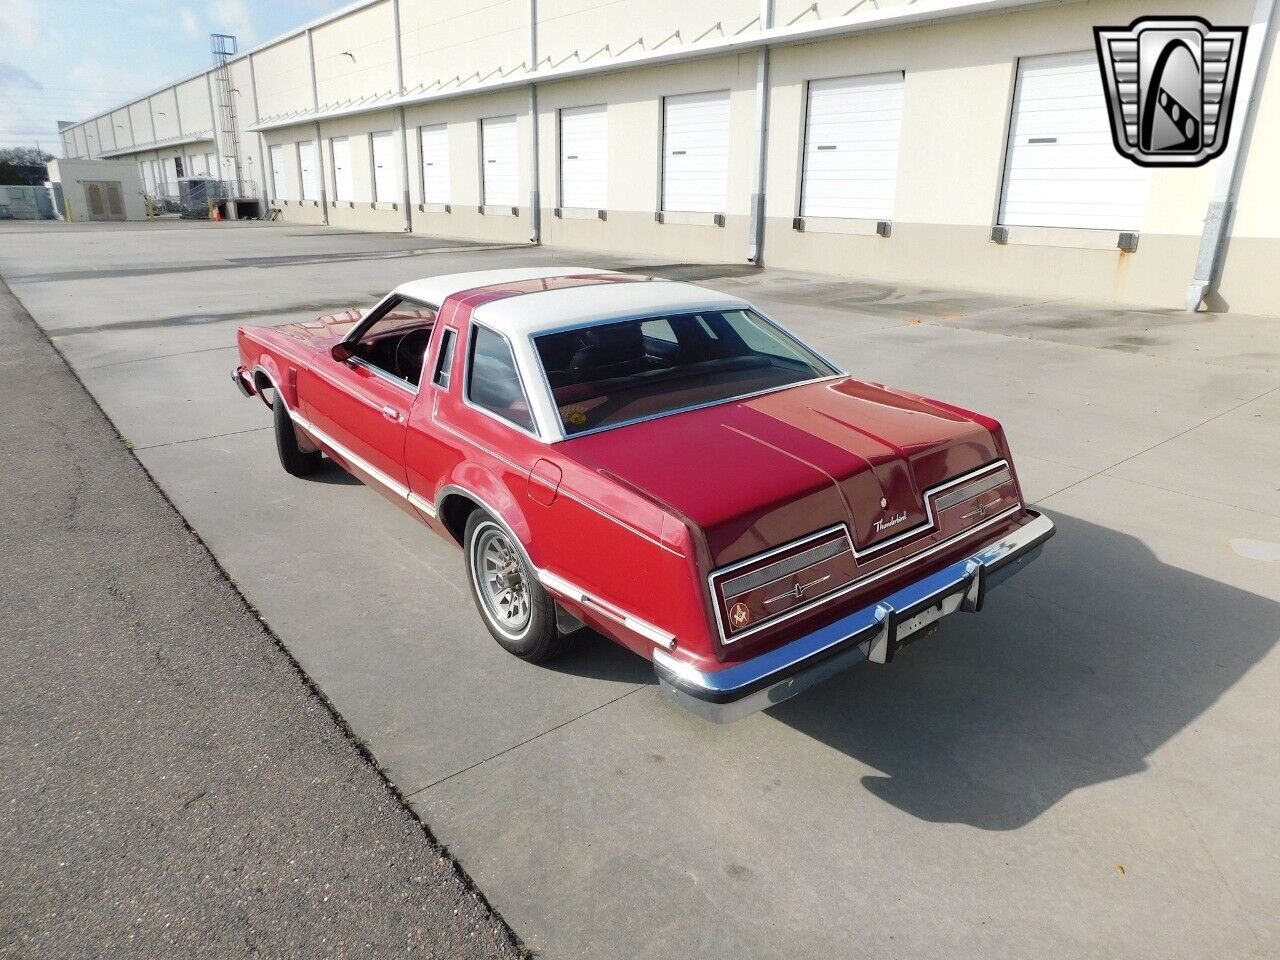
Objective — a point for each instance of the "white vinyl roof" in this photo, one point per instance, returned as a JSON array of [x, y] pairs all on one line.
[[527, 314]]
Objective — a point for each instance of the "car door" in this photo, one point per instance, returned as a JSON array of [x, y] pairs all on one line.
[[477, 422], [362, 398]]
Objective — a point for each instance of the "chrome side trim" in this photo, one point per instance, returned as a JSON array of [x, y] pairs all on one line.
[[557, 584], [359, 462], [870, 633]]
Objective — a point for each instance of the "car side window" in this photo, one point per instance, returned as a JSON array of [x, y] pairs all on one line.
[[493, 383], [396, 343], [444, 359]]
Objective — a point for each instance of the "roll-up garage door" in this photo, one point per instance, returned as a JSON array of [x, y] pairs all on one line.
[[386, 178], [279, 182], [584, 162], [307, 170], [498, 146], [435, 164], [342, 183], [1063, 169], [695, 152], [851, 147]]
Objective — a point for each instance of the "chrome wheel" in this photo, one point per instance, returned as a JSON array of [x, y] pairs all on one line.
[[499, 576]]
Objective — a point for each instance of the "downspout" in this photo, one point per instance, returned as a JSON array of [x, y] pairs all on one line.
[[263, 156], [315, 103], [177, 113], [404, 136], [755, 241], [535, 193], [1220, 215]]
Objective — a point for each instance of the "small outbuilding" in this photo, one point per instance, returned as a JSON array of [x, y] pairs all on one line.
[[97, 189]]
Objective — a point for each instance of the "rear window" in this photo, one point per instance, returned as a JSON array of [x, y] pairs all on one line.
[[613, 373]]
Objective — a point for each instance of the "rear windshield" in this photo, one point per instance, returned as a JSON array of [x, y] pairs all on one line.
[[614, 373]]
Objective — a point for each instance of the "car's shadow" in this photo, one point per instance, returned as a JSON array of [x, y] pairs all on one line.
[[1074, 674]]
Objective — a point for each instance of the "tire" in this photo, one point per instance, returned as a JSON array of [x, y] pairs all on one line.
[[294, 459], [525, 624]]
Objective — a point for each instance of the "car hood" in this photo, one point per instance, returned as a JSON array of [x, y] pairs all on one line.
[[323, 332], [759, 472]]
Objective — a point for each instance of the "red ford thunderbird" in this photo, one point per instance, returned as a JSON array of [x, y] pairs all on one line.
[[659, 462]]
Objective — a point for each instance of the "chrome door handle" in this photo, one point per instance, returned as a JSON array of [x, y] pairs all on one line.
[[392, 414]]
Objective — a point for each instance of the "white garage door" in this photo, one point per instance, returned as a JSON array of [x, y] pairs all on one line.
[[695, 152], [340, 147], [386, 177], [198, 168], [498, 156], [307, 170], [435, 164], [279, 182], [851, 147], [584, 161], [1063, 169]]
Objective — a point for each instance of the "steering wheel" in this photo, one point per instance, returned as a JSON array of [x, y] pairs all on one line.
[[410, 354]]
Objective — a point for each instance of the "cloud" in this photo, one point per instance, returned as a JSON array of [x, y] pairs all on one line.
[[11, 76], [231, 16], [190, 22], [20, 22]]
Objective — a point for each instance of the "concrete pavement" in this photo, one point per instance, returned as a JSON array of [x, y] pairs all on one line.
[[1087, 769]]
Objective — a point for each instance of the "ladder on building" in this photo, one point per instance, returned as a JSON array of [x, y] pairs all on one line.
[[224, 49]]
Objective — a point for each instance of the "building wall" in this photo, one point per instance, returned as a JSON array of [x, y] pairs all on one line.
[[71, 175], [958, 92]]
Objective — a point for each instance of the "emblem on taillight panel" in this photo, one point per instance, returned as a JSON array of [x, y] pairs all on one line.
[[739, 615]]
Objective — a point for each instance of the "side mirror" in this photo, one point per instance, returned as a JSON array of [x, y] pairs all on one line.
[[340, 351]]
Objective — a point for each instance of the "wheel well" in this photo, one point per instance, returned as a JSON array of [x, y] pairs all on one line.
[[454, 511]]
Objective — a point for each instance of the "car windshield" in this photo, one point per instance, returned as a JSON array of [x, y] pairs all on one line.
[[614, 373]]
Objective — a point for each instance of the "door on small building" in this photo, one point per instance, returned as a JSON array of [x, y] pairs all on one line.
[[105, 199], [852, 127], [584, 157], [695, 152], [93, 196], [498, 161], [1062, 169]]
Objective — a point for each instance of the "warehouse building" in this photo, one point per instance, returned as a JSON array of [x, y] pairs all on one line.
[[960, 143]]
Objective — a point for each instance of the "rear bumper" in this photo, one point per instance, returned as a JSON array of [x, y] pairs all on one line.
[[873, 633]]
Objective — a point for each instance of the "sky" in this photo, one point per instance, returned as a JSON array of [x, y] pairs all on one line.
[[72, 59]]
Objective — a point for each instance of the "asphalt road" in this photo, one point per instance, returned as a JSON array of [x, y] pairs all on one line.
[[1086, 770], [171, 786]]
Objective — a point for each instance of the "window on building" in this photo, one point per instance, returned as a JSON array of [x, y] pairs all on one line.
[[498, 161], [584, 161], [1061, 167], [436, 187], [695, 152], [852, 127], [340, 148], [386, 175]]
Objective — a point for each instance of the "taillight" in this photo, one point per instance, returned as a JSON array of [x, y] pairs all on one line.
[[755, 592]]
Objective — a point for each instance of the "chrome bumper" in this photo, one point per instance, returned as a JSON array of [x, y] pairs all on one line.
[[873, 633], [238, 378]]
